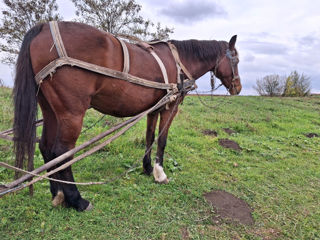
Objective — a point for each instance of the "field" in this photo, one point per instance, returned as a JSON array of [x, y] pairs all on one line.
[[277, 172]]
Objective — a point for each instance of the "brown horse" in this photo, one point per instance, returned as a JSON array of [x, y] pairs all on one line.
[[65, 96]]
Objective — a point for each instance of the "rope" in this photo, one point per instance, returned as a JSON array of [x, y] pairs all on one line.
[[205, 104], [94, 124]]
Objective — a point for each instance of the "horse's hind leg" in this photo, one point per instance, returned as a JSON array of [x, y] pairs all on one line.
[[68, 112], [69, 128], [48, 139], [151, 126], [166, 118], [51, 147]]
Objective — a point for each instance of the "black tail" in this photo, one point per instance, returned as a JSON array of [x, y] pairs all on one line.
[[25, 103]]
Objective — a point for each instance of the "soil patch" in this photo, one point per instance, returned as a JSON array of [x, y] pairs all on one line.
[[230, 207], [210, 132], [229, 131], [311, 135], [227, 143], [185, 233]]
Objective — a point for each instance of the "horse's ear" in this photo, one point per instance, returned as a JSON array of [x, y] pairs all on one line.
[[232, 42]]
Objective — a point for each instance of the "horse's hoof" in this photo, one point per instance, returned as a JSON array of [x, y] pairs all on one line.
[[148, 171], [89, 208], [159, 175], [165, 181], [58, 199]]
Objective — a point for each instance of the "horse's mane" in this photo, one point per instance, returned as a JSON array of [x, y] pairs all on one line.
[[205, 50]]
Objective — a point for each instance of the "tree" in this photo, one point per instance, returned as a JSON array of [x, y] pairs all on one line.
[[297, 85], [119, 17], [17, 18], [270, 85]]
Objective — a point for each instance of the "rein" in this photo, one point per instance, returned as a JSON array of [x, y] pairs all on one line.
[[212, 83]]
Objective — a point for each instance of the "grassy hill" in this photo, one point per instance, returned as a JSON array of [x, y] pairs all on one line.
[[277, 173]]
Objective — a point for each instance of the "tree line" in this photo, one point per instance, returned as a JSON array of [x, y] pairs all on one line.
[[119, 17]]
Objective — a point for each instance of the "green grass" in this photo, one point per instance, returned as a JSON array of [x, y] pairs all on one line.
[[277, 173]]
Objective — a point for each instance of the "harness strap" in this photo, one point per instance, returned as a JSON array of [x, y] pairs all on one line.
[[232, 60], [56, 36], [65, 60], [163, 69], [52, 66], [179, 64], [126, 58], [175, 54]]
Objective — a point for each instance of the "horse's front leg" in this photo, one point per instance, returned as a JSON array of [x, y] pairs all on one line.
[[151, 127], [166, 118]]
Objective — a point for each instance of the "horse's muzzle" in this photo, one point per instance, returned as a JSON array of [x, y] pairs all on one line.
[[235, 90]]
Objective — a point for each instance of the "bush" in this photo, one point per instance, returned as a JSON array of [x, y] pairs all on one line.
[[270, 85], [297, 85]]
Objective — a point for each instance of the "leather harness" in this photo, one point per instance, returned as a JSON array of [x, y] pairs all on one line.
[[187, 84]]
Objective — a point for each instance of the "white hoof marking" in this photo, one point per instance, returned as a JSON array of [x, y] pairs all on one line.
[[90, 207], [58, 199], [159, 175]]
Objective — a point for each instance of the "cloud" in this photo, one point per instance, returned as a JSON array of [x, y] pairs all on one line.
[[307, 46], [309, 40], [248, 57], [265, 48], [190, 11]]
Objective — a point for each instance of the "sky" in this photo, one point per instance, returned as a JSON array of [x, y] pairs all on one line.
[[274, 37]]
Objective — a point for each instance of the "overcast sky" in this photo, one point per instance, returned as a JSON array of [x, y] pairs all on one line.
[[274, 37]]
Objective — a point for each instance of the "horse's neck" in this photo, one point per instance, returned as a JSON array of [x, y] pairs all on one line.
[[199, 57], [198, 68]]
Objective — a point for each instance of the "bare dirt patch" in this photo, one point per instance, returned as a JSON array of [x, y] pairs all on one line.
[[312, 135], [229, 131], [210, 132], [185, 233], [268, 233], [229, 207], [227, 143]]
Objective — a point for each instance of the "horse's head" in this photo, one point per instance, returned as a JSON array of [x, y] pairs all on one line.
[[226, 68]]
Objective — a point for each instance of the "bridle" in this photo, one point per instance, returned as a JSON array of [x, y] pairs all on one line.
[[233, 60]]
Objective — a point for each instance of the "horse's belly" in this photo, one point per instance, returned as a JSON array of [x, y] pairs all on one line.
[[123, 106]]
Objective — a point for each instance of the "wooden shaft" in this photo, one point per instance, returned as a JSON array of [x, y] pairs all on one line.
[[9, 131], [78, 158], [6, 137], [71, 152]]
